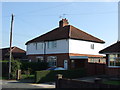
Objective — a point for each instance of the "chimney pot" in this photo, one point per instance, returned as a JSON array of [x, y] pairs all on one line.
[[63, 22]]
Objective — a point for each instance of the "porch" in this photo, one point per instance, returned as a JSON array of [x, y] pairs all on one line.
[[78, 62]]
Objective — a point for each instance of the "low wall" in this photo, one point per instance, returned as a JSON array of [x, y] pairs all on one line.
[[69, 83]]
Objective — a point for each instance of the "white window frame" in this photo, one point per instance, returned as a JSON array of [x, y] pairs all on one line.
[[49, 59], [40, 57], [39, 45], [51, 44], [113, 61], [92, 46]]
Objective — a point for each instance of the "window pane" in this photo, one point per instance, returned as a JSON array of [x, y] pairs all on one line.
[[118, 60], [114, 60], [39, 46], [40, 59], [52, 44], [52, 61]]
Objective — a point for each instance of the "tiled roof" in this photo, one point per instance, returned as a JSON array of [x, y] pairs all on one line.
[[114, 48], [66, 32], [14, 50], [16, 53]]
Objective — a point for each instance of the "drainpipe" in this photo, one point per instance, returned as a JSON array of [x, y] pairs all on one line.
[[44, 52]]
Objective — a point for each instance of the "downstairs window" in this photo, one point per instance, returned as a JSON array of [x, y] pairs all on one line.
[[114, 60]]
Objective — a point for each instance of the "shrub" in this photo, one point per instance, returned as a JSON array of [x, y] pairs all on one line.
[[31, 67], [50, 75], [15, 65], [5, 68]]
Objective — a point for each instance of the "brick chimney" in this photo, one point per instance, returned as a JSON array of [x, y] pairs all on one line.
[[63, 22]]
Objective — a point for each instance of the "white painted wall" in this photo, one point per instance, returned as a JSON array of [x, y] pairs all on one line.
[[66, 46], [62, 47], [31, 48], [84, 47]]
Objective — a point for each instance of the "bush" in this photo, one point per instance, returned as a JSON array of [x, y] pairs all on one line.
[[50, 75], [15, 65], [5, 69], [31, 67]]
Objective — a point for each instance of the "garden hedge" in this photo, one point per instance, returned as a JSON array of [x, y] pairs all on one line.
[[33, 66], [4, 68], [50, 75], [15, 65]]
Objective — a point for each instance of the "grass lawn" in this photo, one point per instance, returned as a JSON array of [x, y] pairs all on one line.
[[112, 82], [28, 76], [23, 77]]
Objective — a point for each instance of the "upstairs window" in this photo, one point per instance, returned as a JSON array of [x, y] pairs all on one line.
[[35, 45], [38, 45], [92, 46], [51, 44]]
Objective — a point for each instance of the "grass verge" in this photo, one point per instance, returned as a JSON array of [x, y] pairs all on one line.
[[112, 82]]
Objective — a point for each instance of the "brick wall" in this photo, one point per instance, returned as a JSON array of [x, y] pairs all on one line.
[[60, 58], [69, 83]]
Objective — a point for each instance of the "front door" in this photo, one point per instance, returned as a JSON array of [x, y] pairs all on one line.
[[65, 64]]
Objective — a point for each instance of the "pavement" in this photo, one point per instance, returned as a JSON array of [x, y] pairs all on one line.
[[26, 85], [30, 85], [91, 78]]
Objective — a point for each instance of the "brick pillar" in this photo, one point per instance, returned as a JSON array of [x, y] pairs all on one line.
[[58, 77]]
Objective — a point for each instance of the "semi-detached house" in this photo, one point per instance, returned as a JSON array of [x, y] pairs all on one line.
[[65, 46]]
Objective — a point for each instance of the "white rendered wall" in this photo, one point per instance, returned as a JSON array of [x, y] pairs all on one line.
[[62, 47], [84, 47], [31, 49], [67, 46]]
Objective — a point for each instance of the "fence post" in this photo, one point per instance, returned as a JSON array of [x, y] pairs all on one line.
[[58, 77], [18, 74]]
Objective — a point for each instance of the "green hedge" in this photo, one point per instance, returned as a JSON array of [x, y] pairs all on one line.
[[15, 65], [5, 68], [50, 75], [33, 66]]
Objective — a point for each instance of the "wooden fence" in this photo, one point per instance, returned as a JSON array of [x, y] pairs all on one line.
[[95, 68]]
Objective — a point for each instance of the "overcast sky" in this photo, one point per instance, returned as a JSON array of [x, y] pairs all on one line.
[[33, 19]]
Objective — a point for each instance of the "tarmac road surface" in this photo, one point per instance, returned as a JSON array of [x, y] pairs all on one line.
[[16, 84]]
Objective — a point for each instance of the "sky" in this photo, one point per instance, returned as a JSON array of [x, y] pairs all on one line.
[[32, 19]]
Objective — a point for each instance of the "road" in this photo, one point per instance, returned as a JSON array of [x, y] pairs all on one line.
[[24, 85]]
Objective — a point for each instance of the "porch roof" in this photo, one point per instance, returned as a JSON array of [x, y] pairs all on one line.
[[78, 57], [85, 55]]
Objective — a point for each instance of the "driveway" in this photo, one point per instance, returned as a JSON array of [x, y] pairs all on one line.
[[26, 85]]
